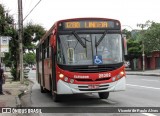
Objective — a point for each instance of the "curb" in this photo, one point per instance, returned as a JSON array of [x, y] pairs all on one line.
[[18, 98], [23, 93], [18, 102], [30, 80]]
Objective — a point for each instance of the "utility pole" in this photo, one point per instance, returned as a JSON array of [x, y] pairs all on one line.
[[20, 33], [143, 54]]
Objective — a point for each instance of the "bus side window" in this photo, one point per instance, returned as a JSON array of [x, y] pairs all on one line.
[[37, 54], [40, 50], [70, 53], [48, 46]]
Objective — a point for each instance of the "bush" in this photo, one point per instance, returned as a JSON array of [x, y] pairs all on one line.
[[14, 74]]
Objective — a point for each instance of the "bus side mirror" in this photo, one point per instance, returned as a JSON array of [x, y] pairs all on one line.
[[125, 45]]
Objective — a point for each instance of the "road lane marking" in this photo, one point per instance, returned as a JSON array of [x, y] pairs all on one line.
[[149, 114], [150, 80], [143, 86]]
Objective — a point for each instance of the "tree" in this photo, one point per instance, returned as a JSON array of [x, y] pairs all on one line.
[[32, 33], [7, 29], [2, 19], [134, 46], [127, 33], [29, 58], [152, 38]]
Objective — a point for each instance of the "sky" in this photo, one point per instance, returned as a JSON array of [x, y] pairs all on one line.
[[128, 12]]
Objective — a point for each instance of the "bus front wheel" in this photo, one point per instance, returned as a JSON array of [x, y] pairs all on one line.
[[103, 95], [56, 98]]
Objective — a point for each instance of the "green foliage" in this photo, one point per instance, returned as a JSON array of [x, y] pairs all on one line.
[[29, 58], [152, 38], [133, 45], [14, 74], [7, 61], [134, 48], [2, 19], [29, 31], [7, 29], [6, 22], [127, 33]]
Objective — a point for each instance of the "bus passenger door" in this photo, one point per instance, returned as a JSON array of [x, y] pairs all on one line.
[[37, 64], [53, 60], [43, 57]]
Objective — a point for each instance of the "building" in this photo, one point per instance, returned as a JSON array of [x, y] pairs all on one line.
[[151, 62]]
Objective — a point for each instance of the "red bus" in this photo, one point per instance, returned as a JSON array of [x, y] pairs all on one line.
[[82, 55]]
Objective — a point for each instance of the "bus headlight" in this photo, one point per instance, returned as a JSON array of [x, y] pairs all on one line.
[[118, 76], [121, 74], [61, 76], [72, 80], [66, 79]]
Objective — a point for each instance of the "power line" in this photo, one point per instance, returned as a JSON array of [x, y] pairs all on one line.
[[29, 4], [32, 10]]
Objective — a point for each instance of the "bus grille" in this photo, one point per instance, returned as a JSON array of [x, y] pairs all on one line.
[[92, 69], [90, 80], [92, 89]]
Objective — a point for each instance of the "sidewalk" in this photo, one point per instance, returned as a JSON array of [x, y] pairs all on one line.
[[12, 90], [144, 73]]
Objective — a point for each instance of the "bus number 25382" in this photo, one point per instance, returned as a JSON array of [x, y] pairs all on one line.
[[105, 75]]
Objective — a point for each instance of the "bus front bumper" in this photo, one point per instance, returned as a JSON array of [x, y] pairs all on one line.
[[68, 88]]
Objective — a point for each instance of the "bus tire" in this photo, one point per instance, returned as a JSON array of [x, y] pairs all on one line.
[[103, 95], [43, 90], [56, 98]]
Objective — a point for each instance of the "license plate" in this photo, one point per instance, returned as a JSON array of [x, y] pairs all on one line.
[[93, 86]]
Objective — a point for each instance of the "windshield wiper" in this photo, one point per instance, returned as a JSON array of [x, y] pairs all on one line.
[[79, 39], [97, 43]]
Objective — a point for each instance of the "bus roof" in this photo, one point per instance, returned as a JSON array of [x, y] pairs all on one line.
[[90, 18], [72, 19]]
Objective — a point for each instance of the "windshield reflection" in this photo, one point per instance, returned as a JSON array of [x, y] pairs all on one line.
[[71, 51]]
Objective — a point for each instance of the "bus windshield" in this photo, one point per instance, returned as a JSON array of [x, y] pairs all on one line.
[[71, 51]]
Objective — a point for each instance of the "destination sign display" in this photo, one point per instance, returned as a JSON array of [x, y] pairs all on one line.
[[93, 24], [89, 24]]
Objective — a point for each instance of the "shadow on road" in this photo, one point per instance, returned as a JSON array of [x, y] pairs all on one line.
[[83, 100]]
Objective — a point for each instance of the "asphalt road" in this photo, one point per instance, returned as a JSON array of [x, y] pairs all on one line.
[[142, 91]]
